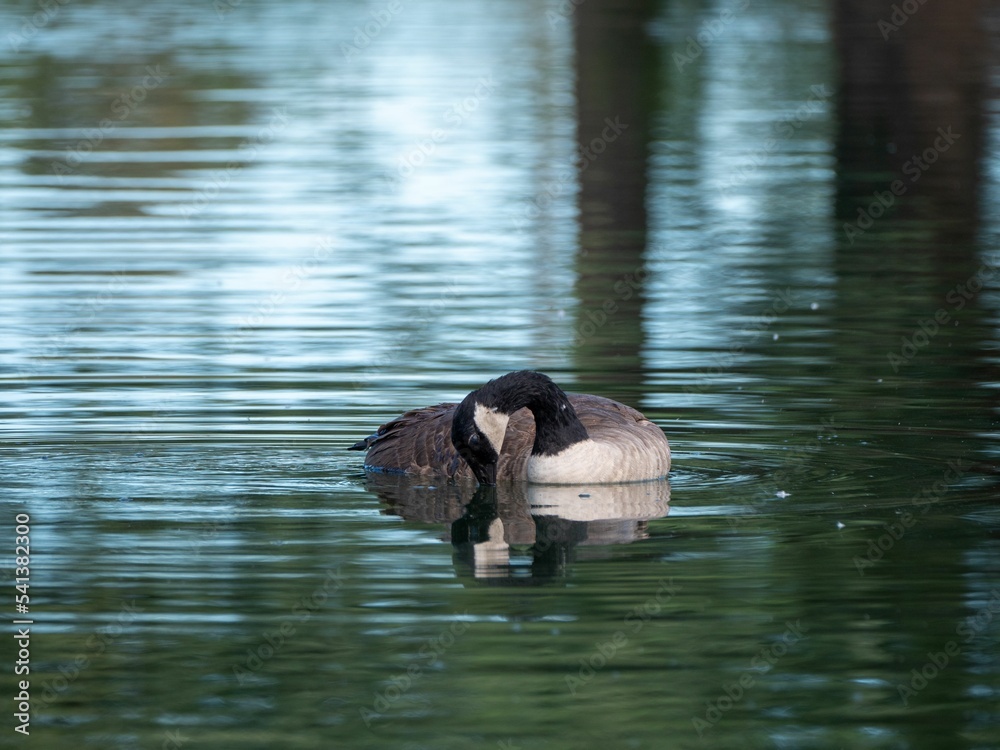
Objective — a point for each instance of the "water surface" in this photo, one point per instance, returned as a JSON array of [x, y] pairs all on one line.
[[236, 238]]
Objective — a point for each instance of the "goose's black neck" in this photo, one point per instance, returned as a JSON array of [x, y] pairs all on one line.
[[556, 424]]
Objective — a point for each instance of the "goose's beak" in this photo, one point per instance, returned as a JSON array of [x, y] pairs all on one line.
[[486, 474]]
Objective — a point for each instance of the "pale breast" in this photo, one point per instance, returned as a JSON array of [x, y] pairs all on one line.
[[591, 461], [624, 446]]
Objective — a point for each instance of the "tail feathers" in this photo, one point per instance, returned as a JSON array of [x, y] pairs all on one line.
[[363, 445]]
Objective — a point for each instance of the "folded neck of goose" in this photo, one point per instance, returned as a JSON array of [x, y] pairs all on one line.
[[557, 425]]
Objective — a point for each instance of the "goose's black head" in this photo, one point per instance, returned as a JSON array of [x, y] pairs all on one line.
[[480, 421], [477, 431]]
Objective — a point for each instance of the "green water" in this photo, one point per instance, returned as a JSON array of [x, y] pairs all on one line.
[[237, 237]]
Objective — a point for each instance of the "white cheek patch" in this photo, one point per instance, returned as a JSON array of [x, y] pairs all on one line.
[[492, 423]]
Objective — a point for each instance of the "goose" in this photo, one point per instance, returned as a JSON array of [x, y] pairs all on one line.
[[522, 426]]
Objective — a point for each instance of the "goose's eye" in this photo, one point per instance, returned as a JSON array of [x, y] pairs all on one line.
[[473, 440]]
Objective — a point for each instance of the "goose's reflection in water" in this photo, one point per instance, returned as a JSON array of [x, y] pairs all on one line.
[[518, 533]]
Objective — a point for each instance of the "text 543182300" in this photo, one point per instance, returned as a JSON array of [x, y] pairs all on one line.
[[22, 637]]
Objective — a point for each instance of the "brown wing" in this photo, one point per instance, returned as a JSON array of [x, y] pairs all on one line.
[[600, 414], [608, 421], [417, 442]]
